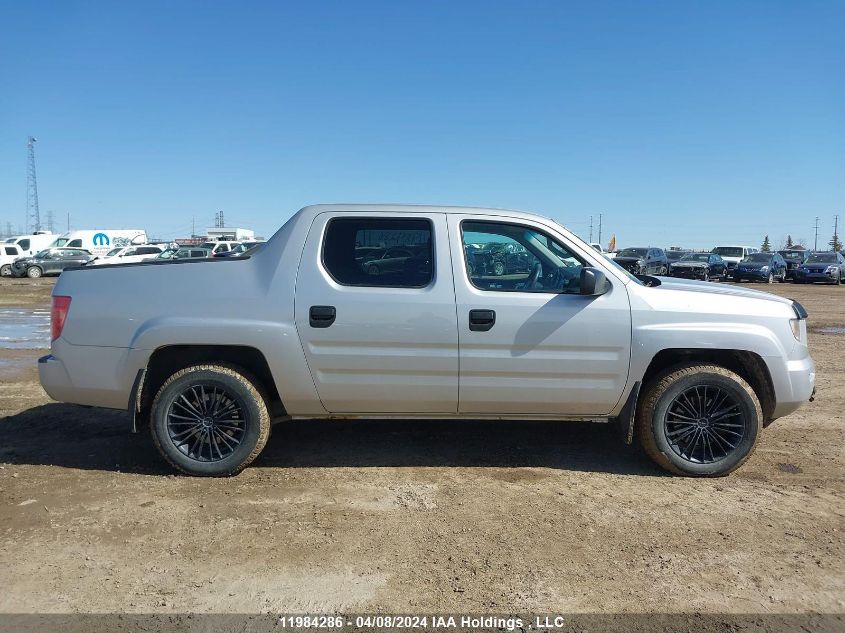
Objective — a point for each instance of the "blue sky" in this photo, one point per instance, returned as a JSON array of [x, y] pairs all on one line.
[[688, 123]]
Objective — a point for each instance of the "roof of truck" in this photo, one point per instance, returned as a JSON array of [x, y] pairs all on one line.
[[418, 208]]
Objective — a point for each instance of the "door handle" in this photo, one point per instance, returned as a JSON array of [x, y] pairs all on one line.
[[481, 320], [321, 316]]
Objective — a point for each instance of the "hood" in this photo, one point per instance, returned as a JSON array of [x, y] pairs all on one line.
[[669, 283], [690, 264], [628, 260]]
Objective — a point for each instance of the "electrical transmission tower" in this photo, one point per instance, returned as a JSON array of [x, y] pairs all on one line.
[[50, 221], [33, 215]]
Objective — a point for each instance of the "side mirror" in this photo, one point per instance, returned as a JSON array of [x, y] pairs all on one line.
[[593, 282]]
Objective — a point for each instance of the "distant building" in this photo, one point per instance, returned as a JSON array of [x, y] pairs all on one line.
[[229, 233]]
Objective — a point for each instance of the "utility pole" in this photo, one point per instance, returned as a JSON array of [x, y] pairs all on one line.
[[591, 229], [8, 229], [193, 226], [835, 231], [816, 243], [600, 228], [33, 215], [68, 221]]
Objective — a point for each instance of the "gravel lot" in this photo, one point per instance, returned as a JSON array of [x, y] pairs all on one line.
[[413, 516]]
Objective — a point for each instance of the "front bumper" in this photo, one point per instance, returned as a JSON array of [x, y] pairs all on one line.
[[803, 276], [793, 387], [751, 274], [687, 273]]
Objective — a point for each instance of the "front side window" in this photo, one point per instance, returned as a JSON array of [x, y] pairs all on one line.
[[391, 253], [75, 243], [511, 257], [24, 244]]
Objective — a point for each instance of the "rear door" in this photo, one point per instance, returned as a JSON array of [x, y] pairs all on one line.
[[379, 340], [530, 343]]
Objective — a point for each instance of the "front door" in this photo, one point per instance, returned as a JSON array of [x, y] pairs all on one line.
[[530, 343], [379, 337]]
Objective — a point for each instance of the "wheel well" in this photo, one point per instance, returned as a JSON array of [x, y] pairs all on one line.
[[749, 365], [165, 361]]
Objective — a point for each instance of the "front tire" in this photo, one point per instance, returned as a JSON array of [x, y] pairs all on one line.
[[6, 270], [770, 279], [34, 272], [498, 269], [210, 420], [699, 420]]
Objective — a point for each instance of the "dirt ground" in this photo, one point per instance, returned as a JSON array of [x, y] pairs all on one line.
[[417, 517]]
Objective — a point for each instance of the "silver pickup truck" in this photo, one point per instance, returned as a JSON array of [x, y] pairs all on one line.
[[396, 311]]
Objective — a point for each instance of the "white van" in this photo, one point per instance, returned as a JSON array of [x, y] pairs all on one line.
[[28, 245], [100, 241]]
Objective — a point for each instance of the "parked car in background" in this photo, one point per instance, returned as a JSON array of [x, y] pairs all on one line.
[[239, 250], [793, 257], [8, 254], [675, 255], [703, 266], [192, 252], [826, 267], [499, 259], [598, 247], [222, 246], [733, 255], [303, 333], [50, 261], [29, 245], [643, 260], [768, 267], [128, 255]]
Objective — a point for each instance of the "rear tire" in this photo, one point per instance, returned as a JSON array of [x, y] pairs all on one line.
[[771, 279], [201, 433], [723, 423]]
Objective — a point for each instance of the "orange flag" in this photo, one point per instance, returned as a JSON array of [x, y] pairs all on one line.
[[611, 245]]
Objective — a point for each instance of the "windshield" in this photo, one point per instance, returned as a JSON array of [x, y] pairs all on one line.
[[114, 252], [696, 257], [728, 251], [43, 254], [822, 258], [760, 258], [632, 252], [674, 256], [60, 241]]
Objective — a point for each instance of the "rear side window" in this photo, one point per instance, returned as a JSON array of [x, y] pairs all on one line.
[[11, 250], [147, 250], [389, 253]]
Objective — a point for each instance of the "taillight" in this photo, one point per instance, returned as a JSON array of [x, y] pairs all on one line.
[[58, 315]]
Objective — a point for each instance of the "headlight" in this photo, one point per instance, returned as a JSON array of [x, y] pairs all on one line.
[[830, 269], [795, 325], [764, 269]]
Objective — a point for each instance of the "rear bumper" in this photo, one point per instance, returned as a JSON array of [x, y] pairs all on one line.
[[102, 376]]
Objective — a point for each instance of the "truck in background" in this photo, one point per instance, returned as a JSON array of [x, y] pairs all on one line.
[[100, 241]]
